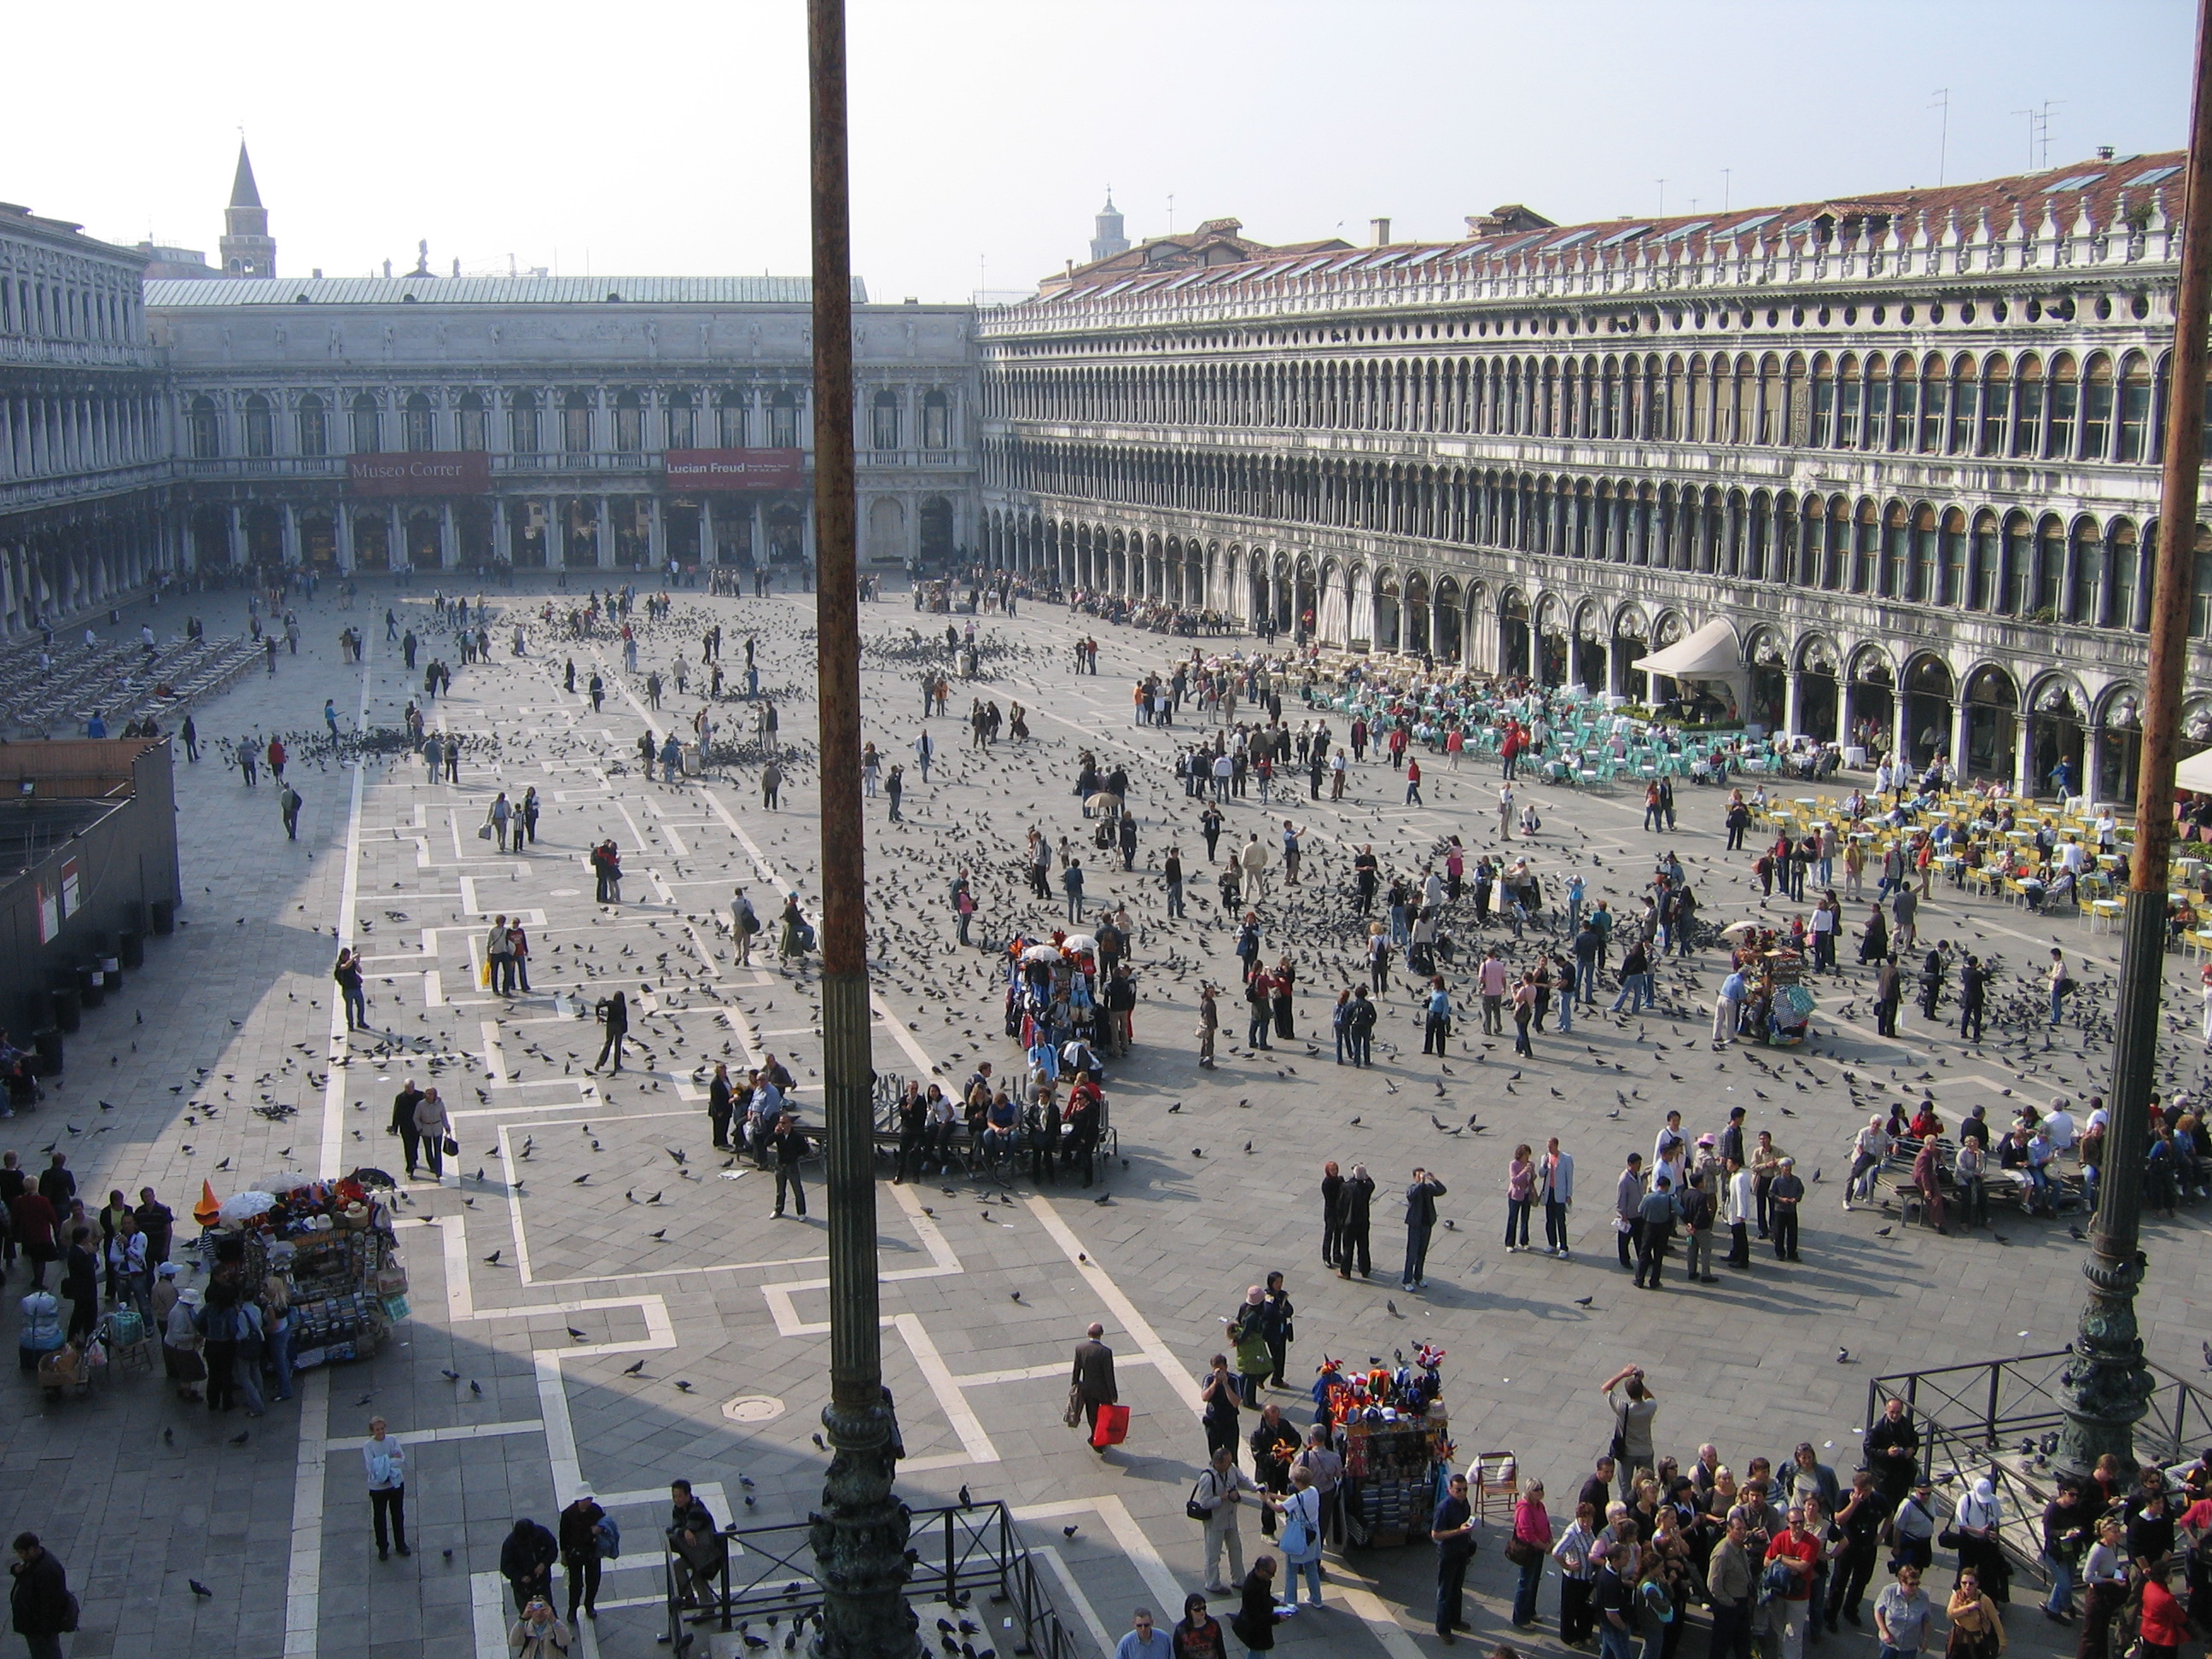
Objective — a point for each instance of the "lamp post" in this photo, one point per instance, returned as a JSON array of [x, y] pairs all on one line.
[[2107, 1386], [860, 1534]]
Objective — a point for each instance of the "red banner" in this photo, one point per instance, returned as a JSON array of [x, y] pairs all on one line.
[[692, 471], [438, 472]]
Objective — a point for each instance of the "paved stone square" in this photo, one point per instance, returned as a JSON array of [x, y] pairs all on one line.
[[516, 1381]]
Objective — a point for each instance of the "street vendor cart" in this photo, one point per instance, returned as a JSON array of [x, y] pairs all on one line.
[[1394, 1434], [332, 1242]]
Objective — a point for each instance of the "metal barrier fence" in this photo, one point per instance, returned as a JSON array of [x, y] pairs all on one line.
[[1972, 1418], [769, 1573]]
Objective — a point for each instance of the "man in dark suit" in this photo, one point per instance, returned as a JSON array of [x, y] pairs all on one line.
[[1093, 1378]]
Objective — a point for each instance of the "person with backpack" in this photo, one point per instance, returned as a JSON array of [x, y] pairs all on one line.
[[587, 1537]]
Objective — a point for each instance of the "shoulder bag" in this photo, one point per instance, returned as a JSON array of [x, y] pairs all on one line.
[[1192, 1507]]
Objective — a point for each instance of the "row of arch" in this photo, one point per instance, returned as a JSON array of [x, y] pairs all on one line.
[[1993, 560], [1993, 718], [2090, 406], [48, 434]]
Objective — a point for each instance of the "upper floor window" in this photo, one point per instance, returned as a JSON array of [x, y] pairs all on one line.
[[367, 427], [883, 421], [261, 427], [206, 433], [474, 421], [2097, 409], [730, 420], [576, 423], [314, 429], [422, 425], [629, 423], [936, 421], [522, 423], [682, 422], [783, 420]]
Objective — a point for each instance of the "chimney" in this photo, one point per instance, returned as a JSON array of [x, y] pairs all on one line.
[[1382, 232], [2104, 152]]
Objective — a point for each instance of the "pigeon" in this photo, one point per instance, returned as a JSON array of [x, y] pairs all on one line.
[[1585, 1301], [239, 1439], [1067, 1532], [820, 1444], [578, 1335], [200, 1589], [493, 1259], [1843, 1356], [1393, 1307], [966, 1503], [637, 1369]]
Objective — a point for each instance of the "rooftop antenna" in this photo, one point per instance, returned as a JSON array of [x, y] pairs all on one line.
[[1662, 199], [1942, 97], [1727, 182], [1170, 213]]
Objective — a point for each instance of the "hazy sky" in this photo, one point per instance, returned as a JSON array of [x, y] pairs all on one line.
[[665, 136]]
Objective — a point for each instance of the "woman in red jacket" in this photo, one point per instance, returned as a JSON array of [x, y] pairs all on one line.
[[2164, 1626]]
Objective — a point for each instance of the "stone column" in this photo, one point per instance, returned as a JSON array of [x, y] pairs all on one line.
[[291, 534], [1791, 686], [449, 547], [708, 554], [345, 535], [656, 533], [2093, 743], [1900, 710], [1958, 737], [502, 546], [806, 536], [2024, 753], [237, 534], [557, 535], [602, 539]]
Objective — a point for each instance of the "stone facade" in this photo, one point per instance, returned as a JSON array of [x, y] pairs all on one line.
[[1906, 444], [571, 390], [84, 447]]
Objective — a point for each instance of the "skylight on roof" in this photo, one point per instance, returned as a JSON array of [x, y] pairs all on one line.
[[2076, 182], [1628, 235], [1752, 223], [1571, 238], [1423, 258], [1517, 243], [2155, 176], [1683, 232]]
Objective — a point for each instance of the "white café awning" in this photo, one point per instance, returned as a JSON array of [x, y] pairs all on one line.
[[1710, 654]]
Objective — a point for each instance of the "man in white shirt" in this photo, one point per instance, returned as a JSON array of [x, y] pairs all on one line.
[[385, 1460], [1869, 1149], [2059, 1126]]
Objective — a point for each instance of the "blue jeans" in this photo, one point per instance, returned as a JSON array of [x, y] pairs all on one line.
[[1635, 991], [1612, 1643], [1586, 978], [1311, 1571], [280, 1357], [2062, 1583], [1555, 1224], [2057, 1008], [1517, 1220], [1416, 1261], [1530, 1579], [1566, 1005]]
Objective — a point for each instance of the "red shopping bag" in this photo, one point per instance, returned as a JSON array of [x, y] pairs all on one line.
[[1112, 1427]]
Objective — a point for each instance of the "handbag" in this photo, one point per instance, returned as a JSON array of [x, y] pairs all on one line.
[[1074, 1414], [1295, 1539], [452, 1147], [1112, 1427], [1520, 1551], [1949, 1538], [484, 831], [1192, 1507]]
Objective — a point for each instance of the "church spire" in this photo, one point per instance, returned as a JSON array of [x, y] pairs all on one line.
[[243, 192], [247, 249]]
